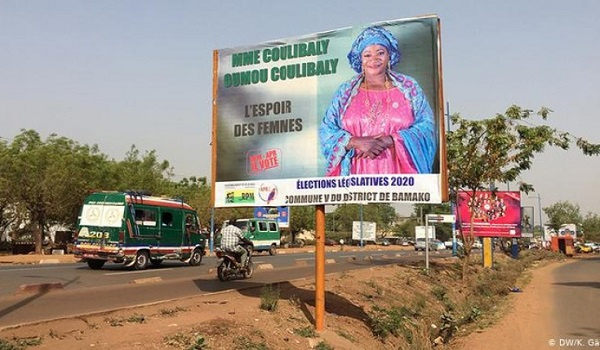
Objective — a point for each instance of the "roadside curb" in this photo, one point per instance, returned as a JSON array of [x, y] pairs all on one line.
[[49, 261]]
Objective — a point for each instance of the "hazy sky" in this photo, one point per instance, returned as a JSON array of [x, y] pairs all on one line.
[[117, 73]]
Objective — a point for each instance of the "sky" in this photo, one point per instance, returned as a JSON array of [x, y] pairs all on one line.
[[121, 73]]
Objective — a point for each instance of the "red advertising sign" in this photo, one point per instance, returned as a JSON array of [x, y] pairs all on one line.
[[494, 214]]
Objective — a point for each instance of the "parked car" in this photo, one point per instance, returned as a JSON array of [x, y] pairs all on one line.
[[477, 245], [595, 246], [420, 244], [436, 244], [448, 244], [330, 242], [584, 249]]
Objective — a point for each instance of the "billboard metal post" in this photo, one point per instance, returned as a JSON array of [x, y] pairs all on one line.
[[427, 242], [212, 229], [320, 268], [361, 224]]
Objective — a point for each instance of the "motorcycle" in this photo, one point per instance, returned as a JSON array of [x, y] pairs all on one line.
[[229, 265]]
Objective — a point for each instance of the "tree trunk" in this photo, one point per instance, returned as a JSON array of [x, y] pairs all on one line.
[[38, 239]]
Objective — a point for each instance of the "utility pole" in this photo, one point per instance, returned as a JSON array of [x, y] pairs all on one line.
[[452, 204], [539, 198], [541, 222]]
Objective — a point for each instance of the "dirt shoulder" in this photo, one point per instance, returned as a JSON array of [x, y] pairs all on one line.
[[527, 323]]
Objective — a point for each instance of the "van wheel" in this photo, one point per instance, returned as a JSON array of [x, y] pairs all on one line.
[[196, 257], [95, 264], [273, 250], [141, 261]]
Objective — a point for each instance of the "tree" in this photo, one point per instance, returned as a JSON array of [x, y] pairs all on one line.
[[48, 179], [591, 227], [497, 150], [563, 212], [301, 218], [383, 214], [143, 173]]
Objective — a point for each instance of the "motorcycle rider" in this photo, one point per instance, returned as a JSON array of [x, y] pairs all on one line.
[[232, 239]]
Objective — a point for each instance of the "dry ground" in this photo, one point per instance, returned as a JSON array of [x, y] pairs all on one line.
[[359, 304]]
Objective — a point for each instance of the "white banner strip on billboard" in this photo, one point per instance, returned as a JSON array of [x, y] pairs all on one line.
[[418, 188]]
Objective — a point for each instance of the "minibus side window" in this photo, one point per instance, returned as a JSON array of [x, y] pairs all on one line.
[[262, 226], [145, 217]]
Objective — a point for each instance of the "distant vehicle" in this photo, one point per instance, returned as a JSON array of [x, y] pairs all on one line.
[[448, 244], [385, 242], [584, 249], [477, 245], [264, 233], [595, 246], [436, 244], [137, 230], [330, 242], [420, 244]]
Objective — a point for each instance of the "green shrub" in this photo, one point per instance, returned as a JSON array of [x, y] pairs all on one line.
[[269, 297], [306, 332]]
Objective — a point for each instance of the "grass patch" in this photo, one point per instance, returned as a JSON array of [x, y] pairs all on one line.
[[376, 287], [248, 344], [342, 333], [185, 341], [269, 297], [20, 343], [323, 346], [114, 322], [171, 312], [384, 322], [306, 332], [136, 318]]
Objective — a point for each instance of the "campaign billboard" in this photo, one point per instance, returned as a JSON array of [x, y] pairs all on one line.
[[352, 115], [490, 214], [527, 222], [281, 214]]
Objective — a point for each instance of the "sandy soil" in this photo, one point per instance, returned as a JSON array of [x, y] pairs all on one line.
[[527, 324], [234, 320]]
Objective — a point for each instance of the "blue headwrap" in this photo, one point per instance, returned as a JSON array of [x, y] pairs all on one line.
[[372, 36]]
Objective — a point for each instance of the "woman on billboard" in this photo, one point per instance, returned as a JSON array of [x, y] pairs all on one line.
[[379, 122]]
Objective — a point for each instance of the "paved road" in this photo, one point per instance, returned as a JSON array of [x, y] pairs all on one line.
[[576, 294], [88, 291]]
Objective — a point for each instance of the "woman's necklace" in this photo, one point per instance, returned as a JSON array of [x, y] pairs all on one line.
[[375, 110]]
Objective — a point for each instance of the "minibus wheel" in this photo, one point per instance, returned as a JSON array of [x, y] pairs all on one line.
[[141, 260]]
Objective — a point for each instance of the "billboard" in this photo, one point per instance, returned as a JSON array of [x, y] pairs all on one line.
[[494, 214], [527, 222], [281, 214], [568, 230], [364, 230], [421, 232], [327, 118]]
